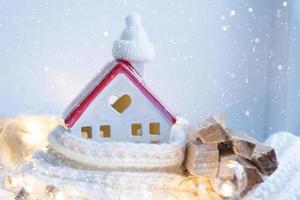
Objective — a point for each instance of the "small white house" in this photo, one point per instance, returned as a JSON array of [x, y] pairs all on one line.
[[117, 105]]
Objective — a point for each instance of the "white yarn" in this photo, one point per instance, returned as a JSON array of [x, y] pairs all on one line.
[[48, 168], [37, 173], [133, 45], [107, 170], [117, 154]]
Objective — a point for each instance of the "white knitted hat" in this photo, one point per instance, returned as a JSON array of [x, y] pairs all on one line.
[[133, 45]]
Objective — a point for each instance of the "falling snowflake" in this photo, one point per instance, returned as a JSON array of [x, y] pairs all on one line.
[[250, 9], [171, 40], [105, 33], [279, 67], [225, 28], [232, 13], [223, 17], [247, 112], [256, 40], [284, 4], [46, 68], [278, 14]]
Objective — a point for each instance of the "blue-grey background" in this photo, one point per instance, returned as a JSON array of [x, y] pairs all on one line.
[[240, 57]]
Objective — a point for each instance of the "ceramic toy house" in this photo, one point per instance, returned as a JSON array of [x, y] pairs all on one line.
[[117, 105]]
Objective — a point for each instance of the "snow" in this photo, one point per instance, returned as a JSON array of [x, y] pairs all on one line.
[[46, 68], [285, 178], [232, 13], [225, 28], [284, 3], [247, 112]]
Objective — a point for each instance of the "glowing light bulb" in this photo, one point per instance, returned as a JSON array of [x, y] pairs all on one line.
[[231, 180], [60, 196], [54, 193], [11, 183], [34, 135], [50, 191]]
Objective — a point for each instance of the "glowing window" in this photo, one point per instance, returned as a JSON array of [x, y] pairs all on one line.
[[154, 128], [105, 131], [136, 129], [155, 142], [86, 132], [120, 104]]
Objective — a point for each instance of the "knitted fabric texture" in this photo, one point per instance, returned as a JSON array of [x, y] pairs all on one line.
[[133, 45], [116, 154], [50, 168], [39, 173], [109, 170]]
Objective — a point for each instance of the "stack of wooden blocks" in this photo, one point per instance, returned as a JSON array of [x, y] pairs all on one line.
[[215, 145]]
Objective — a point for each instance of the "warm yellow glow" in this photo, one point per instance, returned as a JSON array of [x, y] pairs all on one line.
[[227, 189], [10, 182], [231, 179], [196, 186], [232, 164], [34, 134], [60, 196], [50, 191]]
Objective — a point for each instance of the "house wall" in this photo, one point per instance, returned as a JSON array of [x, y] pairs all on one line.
[[141, 110]]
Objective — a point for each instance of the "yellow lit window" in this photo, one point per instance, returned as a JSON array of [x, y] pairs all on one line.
[[154, 128], [86, 132], [136, 129], [105, 131], [155, 142], [120, 104]]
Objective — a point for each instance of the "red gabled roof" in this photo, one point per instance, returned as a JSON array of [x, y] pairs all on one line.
[[74, 113]]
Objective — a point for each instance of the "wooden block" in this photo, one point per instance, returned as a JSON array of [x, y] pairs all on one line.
[[253, 175], [202, 159], [212, 134], [242, 144], [225, 148], [264, 158]]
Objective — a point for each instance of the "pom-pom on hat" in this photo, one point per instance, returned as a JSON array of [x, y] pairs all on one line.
[[133, 44]]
